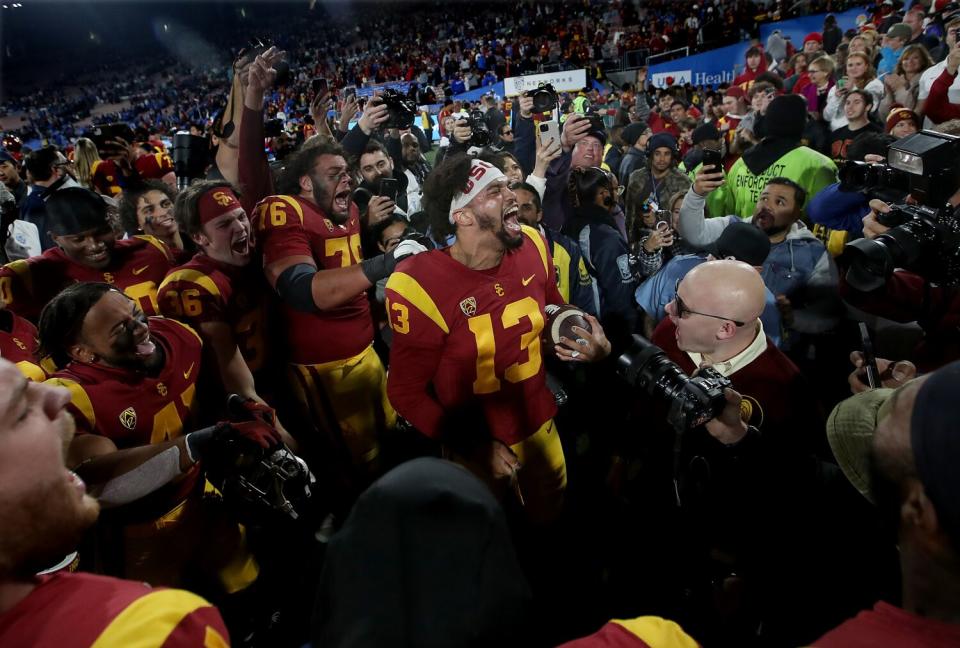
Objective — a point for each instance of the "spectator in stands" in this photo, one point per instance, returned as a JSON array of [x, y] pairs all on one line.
[[705, 136], [832, 35], [933, 73], [505, 138], [939, 106], [894, 42], [856, 108], [914, 20], [735, 109], [799, 74], [492, 115], [749, 130], [812, 43], [582, 148], [902, 86], [776, 46], [756, 63], [660, 120], [10, 176], [47, 172], [859, 74], [820, 83], [902, 122]]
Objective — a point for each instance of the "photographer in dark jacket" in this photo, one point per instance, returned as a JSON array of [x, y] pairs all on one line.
[[604, 249]]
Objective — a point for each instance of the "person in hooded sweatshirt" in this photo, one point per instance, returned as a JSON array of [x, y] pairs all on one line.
[[424, 561], [779, 154], [799, 270], [756, 65]]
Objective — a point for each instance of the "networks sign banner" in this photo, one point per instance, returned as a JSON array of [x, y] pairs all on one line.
[[568, 81], [709, 69]]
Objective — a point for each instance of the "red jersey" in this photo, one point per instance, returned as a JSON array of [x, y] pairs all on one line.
[[77, 609], [18, 344], [886, 625], [205, 290], [137, 266], [288, 226], [133, 409], [153, 166], [129, 407], [105, 177], [472, 335]]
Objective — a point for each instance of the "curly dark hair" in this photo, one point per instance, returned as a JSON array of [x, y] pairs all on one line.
[[302, 162], [61, 320], [447, 179], [131, 196]]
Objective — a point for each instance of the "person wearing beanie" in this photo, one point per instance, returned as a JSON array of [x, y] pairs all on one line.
[[915, 484], [654, 183], [635, 136], [779, 153], [705, 136], [902, 122], [812, 43]]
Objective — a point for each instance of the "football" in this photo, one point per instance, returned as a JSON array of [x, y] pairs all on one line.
[[560, 323]]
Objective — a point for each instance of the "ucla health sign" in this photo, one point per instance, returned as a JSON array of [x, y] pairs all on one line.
[[709, 69], [717, 66]]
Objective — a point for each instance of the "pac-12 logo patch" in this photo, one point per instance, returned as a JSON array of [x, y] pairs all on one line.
[[469, 306], [128, 418]]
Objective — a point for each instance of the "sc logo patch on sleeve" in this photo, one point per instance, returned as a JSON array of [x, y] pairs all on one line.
[[623, 263]]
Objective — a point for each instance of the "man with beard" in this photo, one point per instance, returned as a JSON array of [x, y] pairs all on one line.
[[374, 165], [799, 270], [467, 323], [219, 292], [133, 391], [44, 510], [86, 249], [312, 258]]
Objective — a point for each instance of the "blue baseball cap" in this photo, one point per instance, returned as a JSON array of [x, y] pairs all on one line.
[[6, 157]]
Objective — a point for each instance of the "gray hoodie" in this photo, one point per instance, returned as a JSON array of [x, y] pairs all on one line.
[[799, 267]]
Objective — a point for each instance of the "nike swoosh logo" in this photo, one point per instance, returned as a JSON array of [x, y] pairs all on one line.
[[137, 271], [528, 279], [186, 374]]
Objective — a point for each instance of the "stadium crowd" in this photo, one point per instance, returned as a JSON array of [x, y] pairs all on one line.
[[622, 366]]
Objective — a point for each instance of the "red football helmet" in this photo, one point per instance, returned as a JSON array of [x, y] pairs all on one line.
[[14, 146]]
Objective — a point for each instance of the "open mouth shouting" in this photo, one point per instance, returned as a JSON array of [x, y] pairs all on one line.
[[241, 245], [510, 221], [145, 346], [341, 201]]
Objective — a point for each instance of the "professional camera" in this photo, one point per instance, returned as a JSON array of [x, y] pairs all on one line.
[[924, 238], [402, 110], [693, 401], [480, 133], [596, 121], [190, 156], [874, 180], [544, 98]]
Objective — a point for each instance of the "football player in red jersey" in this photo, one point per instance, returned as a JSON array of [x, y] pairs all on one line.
[[87, 250], [127, 164], [467, 323], [133, 388], [219, 292], [312, 258], [18, 344], [49, 510]]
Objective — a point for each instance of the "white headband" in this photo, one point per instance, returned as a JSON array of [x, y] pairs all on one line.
[[481, 175]]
